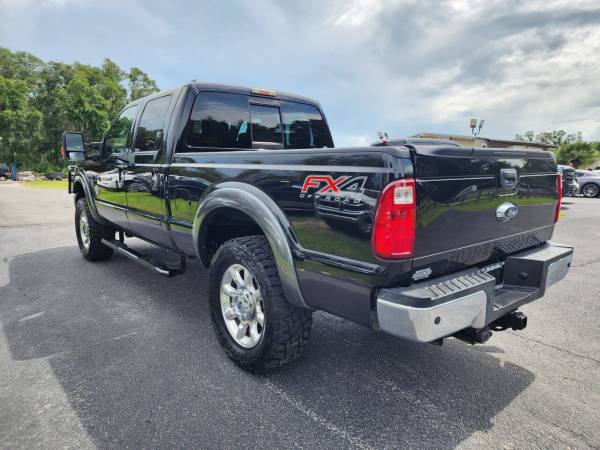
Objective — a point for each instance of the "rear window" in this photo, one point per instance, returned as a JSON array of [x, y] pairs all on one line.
[[304, 126], [266, 124], [222, 120], [219, 120]]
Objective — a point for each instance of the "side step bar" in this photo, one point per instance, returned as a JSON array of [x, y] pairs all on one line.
[[145, 260]]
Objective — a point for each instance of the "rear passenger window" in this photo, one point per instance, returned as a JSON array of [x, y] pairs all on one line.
[[150, 132], [219, 120], [304, 126], [266, 124]]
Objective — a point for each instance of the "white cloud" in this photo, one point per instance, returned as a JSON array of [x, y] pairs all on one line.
[[401, 66]]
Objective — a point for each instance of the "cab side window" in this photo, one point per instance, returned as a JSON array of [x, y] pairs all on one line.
[[304, 126], [150, 132], [219, 120], [118, 138]]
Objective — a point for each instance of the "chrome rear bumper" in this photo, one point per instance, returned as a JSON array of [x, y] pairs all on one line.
[[434, 309]]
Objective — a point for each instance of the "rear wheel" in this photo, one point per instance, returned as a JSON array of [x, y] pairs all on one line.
[[590, 190], [254, 323], [90, 233]]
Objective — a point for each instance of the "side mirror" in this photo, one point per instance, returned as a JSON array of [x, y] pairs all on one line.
[[73, 146]]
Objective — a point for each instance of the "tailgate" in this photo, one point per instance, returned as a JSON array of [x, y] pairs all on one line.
[[478, 205]]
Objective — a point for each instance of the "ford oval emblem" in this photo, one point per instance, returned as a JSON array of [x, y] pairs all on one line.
[[506, 211]]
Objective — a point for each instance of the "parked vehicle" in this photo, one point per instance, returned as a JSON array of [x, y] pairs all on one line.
[[57, 176], [26, 175], [569, 180], [5, 171], [245, 181], [589, 182]]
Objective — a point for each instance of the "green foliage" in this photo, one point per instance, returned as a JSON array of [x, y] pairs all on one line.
[[578, 153], [140, 84], [554, 137], [39, 100]]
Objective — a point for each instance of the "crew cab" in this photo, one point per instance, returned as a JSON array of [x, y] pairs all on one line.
[[423, 242]]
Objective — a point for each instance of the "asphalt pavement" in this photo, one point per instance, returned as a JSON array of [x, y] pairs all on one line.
[[110, 355]]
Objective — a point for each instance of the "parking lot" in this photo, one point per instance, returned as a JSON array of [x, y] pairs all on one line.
[[111, 355]]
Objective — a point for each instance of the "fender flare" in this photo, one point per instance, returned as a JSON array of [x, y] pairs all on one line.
[[268, 216], [82, 179]]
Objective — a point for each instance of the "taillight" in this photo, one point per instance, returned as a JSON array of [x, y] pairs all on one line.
[[559, 192], [395, 221]]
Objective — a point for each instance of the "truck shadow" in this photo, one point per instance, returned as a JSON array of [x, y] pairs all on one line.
[[136, 357]]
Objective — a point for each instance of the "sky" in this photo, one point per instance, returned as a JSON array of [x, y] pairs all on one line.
[[400, 66]]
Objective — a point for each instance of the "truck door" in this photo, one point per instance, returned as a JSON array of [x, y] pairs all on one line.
[[145, 176], [109, 178]]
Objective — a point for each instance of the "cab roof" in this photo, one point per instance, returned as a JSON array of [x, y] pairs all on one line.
[[231, 89], [199, 87]]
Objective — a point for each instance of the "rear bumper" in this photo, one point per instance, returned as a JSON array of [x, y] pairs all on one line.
[[438, 308]]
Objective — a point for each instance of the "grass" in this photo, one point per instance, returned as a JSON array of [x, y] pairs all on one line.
[[47, 184]]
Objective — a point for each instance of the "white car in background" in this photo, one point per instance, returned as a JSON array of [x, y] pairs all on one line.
[[589, 182]]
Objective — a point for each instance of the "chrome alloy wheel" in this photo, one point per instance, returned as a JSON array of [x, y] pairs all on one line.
[[590, 190], [84, 231], [242, 306]]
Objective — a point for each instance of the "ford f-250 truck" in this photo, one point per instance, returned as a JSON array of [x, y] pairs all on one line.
[[422, 242]]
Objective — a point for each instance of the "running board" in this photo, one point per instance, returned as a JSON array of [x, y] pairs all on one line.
[[145, 260]]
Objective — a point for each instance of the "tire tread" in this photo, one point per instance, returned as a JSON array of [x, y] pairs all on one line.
[[290, 326]]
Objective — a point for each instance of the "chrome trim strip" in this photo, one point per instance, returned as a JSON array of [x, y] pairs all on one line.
[[286, 167], [112, 205], [484, 242], [421, 180], [536, 175]]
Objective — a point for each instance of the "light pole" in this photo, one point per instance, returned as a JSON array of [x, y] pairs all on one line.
[[474, 128]]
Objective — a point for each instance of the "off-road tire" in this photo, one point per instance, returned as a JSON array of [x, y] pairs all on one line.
[[287, 327], [96, 251]]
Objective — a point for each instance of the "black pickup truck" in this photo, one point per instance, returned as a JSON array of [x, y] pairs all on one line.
[[420, 241]]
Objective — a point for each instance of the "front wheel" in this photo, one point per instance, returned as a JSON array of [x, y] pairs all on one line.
[[90, 233], [257, 327], [590, 190]]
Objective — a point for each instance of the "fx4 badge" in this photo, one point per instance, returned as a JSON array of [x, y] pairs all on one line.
[[344, 187], [506, 211]]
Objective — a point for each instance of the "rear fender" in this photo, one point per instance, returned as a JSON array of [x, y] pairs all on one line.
[[267, 215]]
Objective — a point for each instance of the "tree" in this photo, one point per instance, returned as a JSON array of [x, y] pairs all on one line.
[[578, 153], [20, 125], [39, 100], [527, 136], [140, 84], [554, 137]]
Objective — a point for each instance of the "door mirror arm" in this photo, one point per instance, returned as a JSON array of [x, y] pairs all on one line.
[[93, 150], [124, 159]]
